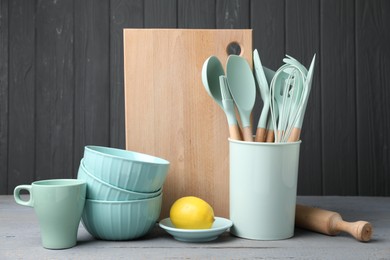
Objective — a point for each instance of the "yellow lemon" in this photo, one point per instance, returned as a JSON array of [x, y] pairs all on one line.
[[191, 213]]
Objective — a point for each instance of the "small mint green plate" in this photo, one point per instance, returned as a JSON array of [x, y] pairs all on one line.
[[220, 225]]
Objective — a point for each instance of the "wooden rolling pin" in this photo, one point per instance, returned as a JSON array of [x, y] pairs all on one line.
[[330, 223]]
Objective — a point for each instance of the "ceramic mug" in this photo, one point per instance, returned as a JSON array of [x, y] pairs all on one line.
[[58, 204]]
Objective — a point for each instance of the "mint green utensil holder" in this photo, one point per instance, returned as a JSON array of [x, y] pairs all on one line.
[[263, 187]]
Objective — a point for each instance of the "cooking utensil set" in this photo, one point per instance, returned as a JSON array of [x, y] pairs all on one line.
[[284, 94]]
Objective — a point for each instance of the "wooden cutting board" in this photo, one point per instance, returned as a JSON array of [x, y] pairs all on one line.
[[170, 115]]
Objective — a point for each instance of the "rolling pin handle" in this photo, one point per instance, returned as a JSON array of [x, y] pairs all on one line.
[[361, 230]]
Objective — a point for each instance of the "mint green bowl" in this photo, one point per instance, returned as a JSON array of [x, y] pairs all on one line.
[[100, 190], [121, 220], [126, 169]]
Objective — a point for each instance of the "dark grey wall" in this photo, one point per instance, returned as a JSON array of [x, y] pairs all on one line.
[[61, 80]]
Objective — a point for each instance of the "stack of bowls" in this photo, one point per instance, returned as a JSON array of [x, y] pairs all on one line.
[[124, 192]]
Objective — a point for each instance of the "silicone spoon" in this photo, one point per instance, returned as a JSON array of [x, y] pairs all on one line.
[[211, 70], [228, 107], [243, 89]]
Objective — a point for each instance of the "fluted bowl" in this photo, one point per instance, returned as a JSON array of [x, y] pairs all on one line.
[[121, 220], [100, 190], [126, 169]]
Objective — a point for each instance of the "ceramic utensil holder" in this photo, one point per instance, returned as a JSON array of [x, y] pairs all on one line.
[[263, 186]]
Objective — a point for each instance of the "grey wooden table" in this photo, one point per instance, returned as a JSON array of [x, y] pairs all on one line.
[[20, 238]]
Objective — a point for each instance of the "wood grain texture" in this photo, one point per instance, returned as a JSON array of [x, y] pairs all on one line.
[[4, 25], [61, 80], [338, 97], [232, 14], [92, 76], [54, 89], [268, 23], [302, 42], [196, 14], [169, 114], [373, 95], [160, 14], [21, 103], [123, 14]]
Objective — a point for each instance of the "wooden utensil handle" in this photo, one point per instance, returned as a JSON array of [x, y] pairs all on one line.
[[234, 132], [247, 134], [295, 134], [330, 223], [270, 136], [261, 134]]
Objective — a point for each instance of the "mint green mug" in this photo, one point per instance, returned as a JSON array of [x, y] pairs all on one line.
[[58, 204]]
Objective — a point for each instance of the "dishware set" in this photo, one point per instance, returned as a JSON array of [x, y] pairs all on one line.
[[284, 94], [117, 196], [124, 192]]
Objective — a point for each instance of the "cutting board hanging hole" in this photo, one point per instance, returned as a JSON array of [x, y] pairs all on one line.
[[233, 48]]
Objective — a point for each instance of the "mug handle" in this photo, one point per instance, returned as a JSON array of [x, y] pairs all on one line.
[[30, 202]]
